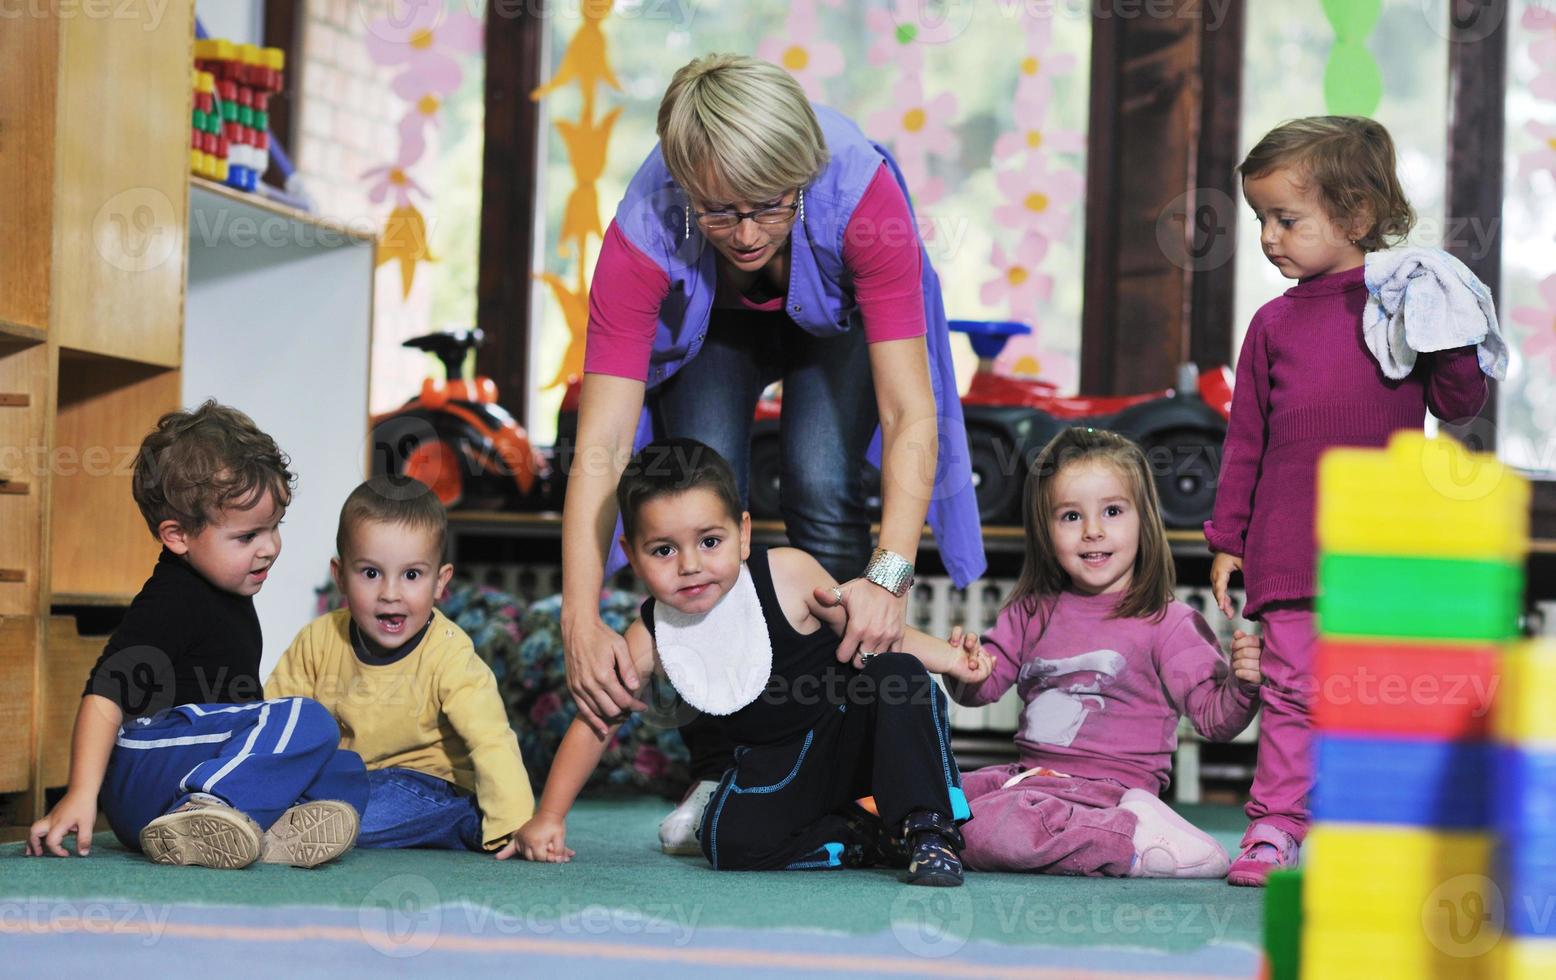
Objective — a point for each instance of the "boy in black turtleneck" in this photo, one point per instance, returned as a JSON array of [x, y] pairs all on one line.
[[172, 737]]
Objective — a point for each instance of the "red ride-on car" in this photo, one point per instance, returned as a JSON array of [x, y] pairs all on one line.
[[456, 439], [1009, 420]]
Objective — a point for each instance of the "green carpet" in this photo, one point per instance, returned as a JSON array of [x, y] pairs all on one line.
[[619, 867]]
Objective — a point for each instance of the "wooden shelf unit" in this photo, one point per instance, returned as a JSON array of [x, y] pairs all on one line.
[[93, 241]]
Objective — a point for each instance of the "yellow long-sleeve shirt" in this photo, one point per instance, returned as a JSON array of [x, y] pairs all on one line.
[[435, 710]]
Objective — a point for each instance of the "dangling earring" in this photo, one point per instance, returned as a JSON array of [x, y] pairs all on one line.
[[802, 204], [686, 214]]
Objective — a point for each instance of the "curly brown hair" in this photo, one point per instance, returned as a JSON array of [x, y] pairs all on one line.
[[195, 463], [1351, 161]]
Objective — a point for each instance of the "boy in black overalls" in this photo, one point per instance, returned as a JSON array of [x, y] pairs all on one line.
[[745, 637]]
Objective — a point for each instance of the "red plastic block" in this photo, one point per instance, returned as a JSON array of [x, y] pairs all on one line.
[[1439, 690]]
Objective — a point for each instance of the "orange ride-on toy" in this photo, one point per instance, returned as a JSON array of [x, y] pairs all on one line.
[[456, 439]]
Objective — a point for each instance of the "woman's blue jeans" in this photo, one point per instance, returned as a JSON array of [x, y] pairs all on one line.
[[829, 416]]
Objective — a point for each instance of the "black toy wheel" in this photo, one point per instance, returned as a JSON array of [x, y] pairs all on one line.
[[1186, 464], [765, 488], [997, 478]]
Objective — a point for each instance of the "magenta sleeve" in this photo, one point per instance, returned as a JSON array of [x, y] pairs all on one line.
[[881, 251], [1199, 681], [624, 301], [1243, 452], [1456, 388]]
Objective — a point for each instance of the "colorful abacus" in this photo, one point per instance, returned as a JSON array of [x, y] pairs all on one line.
[[233, 86], [1422, 550]]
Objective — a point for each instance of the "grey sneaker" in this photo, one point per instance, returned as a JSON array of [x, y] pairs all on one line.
[[678, 831], [310, 834], [204, 832]]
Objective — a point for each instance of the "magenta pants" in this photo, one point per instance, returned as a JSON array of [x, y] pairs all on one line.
[[1053, 825], [1283, 775]]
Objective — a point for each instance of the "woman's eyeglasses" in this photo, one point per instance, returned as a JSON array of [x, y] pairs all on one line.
[[725, 220]]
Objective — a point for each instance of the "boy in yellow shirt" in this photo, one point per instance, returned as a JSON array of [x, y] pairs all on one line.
[[405, 684]]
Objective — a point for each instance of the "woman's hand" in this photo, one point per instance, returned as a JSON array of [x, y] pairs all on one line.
[[600, 672], [972, 666], [875, 617], [544, 838], [1246, 651], [1221, 569]]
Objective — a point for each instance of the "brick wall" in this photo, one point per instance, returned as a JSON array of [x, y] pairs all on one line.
[[346, 124]]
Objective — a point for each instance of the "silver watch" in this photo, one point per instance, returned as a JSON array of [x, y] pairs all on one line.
[[890, 571]]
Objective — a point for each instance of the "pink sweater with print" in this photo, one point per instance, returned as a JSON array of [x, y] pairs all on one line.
[[880, 249], [1104, 695], [1305, 382]]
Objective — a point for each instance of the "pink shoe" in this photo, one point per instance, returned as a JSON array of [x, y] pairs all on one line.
[[1168, 846], [1265, 849]]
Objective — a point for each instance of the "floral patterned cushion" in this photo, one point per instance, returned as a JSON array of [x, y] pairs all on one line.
[[522, 643]]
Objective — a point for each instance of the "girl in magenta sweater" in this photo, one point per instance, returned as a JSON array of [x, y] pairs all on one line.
[[1107, 662], [1325, 194]]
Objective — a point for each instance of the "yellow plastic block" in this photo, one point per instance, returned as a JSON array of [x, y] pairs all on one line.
[[249, 54], [1526, 959], [1421, 497], [274, 58], [1338, 954], [1431, 878], [1524, 712], [207, 49]]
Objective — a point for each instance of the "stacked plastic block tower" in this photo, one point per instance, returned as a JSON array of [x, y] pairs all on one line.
[[1421, 574], [230, 127]]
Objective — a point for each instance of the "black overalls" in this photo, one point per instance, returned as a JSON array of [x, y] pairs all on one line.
[[821, 735]]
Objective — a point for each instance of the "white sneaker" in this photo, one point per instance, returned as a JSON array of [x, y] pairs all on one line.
[[1168, 846], [678, 831]]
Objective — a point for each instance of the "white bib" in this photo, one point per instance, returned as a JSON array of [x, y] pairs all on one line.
[[718, 661]]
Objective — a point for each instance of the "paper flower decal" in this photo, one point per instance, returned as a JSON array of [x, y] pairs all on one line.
[[1540, 338], [799, 51], [1017, 282]]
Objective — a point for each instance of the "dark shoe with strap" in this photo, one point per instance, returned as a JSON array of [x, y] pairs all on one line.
[[935, 846], [872, 845]]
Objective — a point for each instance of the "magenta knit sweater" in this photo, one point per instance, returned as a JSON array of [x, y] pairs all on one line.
[[1306, 382]]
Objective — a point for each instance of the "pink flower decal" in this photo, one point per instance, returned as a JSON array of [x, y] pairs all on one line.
[[1038, 199], [1540, 334], [1543, 157], [425, 38], [1033, 135], [1018, 283], [894, 42], [392, 181], [798, 51], [916, 127]]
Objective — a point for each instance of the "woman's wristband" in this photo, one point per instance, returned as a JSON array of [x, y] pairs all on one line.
[[890, 571]]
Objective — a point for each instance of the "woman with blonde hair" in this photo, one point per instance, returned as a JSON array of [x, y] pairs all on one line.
[[766, 239]]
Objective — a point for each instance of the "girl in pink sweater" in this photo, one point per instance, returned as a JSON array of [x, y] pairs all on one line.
[[1107, 662], [1324, 192]]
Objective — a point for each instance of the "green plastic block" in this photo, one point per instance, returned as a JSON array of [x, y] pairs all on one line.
[[1425, 598], [1283, 923]]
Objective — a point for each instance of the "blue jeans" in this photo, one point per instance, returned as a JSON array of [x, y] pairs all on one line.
[[829, 417], [406, 808]]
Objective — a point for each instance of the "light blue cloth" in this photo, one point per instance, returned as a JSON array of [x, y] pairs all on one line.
[[1423, 299]]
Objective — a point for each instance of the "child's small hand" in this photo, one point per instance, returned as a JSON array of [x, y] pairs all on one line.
[[1245, 657], [71, 815], [1221, 569], [972, 665], [544, 838]]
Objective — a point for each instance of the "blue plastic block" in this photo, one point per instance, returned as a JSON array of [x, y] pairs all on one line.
[[1420, 783], [1524, 791]]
